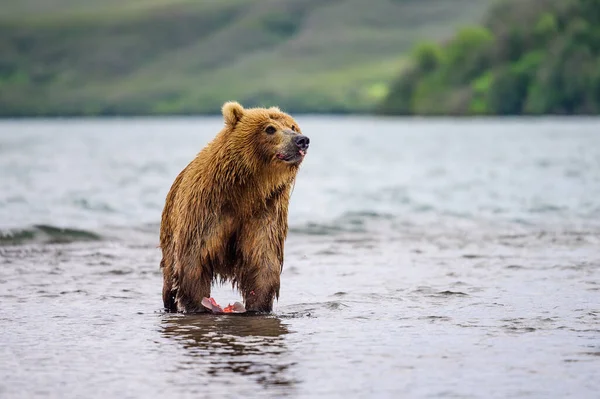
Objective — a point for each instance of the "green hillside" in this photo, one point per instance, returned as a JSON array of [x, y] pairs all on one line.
[[92, 57], [530, 57]]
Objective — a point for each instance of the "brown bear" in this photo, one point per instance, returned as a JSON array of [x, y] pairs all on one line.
[[225, 216]]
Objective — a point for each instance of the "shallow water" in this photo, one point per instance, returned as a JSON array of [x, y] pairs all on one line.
[[426, 258]]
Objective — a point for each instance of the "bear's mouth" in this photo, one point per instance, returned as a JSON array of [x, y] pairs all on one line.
[[292, 158]]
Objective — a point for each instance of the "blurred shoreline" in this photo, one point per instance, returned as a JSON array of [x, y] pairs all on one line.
[[358, 115], [436, 58]]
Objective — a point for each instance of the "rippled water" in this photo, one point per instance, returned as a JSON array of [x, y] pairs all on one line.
[[426, 258]]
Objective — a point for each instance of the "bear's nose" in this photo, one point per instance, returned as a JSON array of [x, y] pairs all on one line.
[[301, 141]]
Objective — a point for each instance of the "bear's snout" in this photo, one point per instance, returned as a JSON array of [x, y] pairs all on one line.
[[301, 142]]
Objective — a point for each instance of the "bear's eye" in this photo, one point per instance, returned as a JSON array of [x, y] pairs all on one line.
[[293, 128], [270, 130]]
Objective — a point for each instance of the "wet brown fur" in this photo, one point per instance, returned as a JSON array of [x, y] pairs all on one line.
[[225, 216]]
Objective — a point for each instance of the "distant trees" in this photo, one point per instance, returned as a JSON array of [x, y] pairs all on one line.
[[530, 57]]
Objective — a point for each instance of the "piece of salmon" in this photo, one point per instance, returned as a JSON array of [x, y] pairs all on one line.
[[214, 307]]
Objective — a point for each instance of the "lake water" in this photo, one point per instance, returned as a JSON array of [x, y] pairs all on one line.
[[426, 259]]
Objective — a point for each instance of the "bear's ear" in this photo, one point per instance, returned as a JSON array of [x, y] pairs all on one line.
[[275, 109], [232, 113]]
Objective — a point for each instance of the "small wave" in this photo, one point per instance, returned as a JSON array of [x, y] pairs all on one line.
[[546, 208], [45, 234], [88, 205], [451, 293], [349, 222], [310, 309]]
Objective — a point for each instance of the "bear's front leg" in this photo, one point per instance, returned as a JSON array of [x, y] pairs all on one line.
[[191, 283], [261, 264], [260, 292]]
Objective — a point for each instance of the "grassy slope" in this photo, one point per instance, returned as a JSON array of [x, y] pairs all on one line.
[[184, 56]]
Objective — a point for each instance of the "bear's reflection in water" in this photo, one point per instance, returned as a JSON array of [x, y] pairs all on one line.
[[232, 346]]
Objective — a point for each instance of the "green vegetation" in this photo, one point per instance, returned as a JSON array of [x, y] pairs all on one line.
[[107, 57], [530, 57]]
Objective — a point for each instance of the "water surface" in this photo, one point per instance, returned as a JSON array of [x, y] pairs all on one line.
[[426, 258]]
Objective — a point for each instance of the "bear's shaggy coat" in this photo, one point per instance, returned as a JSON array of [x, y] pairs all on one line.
[[225, 216]]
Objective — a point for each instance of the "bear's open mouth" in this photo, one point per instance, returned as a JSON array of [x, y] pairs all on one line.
[[292, 158]]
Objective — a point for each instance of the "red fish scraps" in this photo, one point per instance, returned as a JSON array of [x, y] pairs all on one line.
[[214, 307]]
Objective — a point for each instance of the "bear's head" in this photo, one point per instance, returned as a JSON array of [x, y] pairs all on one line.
[[264, 137]]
